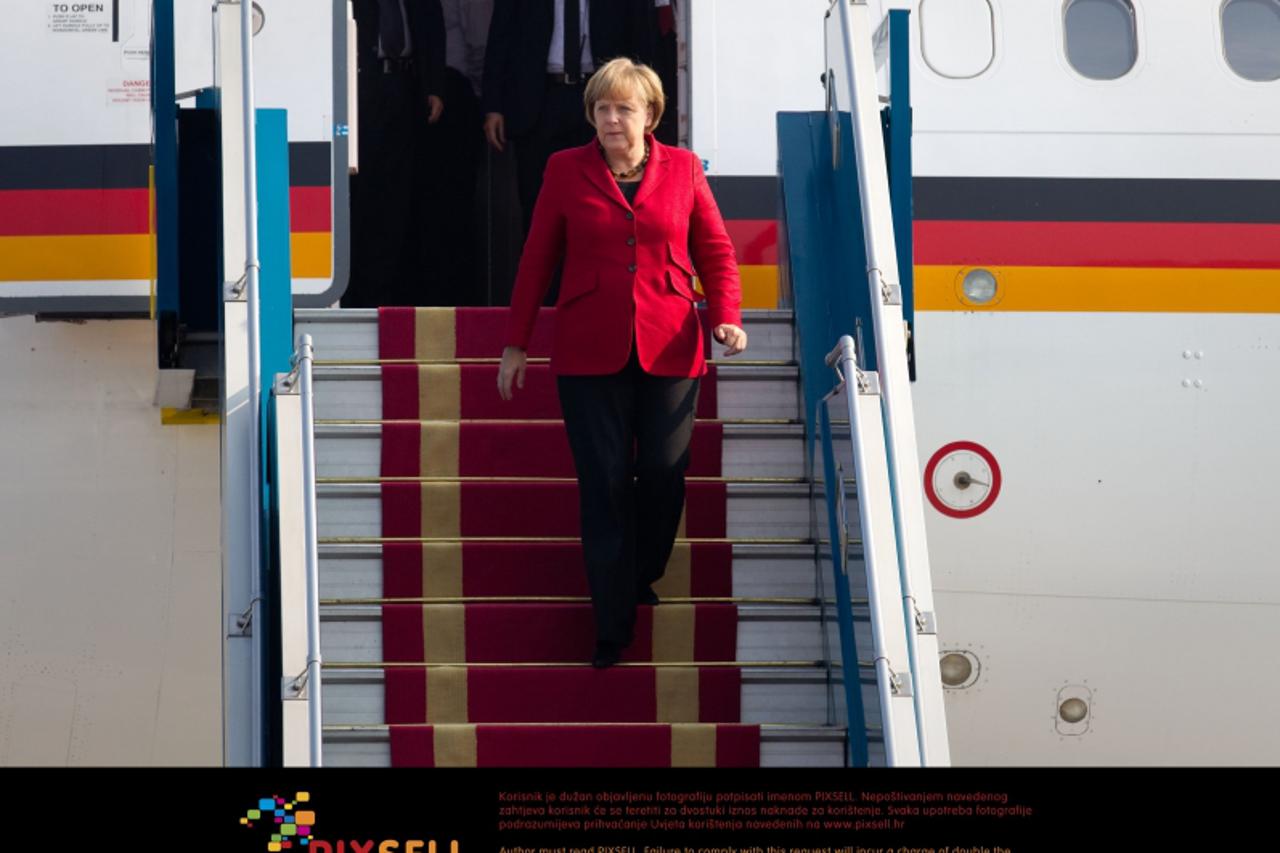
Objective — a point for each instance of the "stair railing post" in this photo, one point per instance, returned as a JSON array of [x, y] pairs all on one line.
[[305, 358], [879, 552]]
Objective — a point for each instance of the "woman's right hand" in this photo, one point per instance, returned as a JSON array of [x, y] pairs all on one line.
[[512, 369], [495, 130]]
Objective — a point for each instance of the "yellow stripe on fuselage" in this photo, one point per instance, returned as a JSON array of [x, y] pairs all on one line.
[[311, 254], [1136, 289], [126, 257], [759, 285], [91, 257]]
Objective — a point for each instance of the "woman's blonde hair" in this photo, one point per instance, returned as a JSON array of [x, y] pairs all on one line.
[[622, 78]]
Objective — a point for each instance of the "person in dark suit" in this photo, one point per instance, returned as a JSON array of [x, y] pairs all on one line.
[[666, 63], [534, 77], [450, 245], [400, 56], [630, 219]]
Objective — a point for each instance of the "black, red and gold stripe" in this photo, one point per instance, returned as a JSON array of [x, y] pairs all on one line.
[[310, 210], [83, 212], [749, 205], [75, 213], [1084, 244]]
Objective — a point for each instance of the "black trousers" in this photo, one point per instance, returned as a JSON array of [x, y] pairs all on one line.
[[629, 432]]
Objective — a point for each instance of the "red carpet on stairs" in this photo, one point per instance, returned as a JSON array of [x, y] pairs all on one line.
[[528, 508], [503, 449], [444, 392], [547, 694], [444, 424], [577, 745], [431, 334], [457, 569], [551, 632]]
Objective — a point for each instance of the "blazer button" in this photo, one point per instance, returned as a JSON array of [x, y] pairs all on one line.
[[631, 268], [630, 215], [631, 241]]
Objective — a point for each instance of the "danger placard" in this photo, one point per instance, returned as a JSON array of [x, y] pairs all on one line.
[[81, 17], [128, 90]]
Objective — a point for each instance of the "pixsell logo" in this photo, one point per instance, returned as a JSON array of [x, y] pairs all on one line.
[[288, 828], [279, 819]]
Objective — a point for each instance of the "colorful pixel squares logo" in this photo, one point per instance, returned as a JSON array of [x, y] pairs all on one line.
[[288, 827]]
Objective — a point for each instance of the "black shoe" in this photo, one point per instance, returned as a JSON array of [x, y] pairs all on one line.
[[607, 654], [646, 595]]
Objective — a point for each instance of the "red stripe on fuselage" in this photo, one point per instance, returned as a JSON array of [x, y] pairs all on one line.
[[1105, 244], [47, 213], [755, 240], [310, 209]]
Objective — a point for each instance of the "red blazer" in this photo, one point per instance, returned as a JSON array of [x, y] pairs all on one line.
[[626, 266]]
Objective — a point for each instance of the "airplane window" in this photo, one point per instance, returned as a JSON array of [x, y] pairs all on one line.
[[957, 37], [1102, 37], [1251, 38]]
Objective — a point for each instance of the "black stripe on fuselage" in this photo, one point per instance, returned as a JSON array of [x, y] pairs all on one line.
[[123, 167], [310, 164], [745, 196], [1097, 200], [74, 167]]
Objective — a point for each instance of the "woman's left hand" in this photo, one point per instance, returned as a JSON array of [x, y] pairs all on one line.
[[732, 337]]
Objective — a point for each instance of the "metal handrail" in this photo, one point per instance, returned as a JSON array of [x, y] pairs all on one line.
[[834, 500], [886, 312], [251, 271], [303, 360], [810, 473], [843, 359]]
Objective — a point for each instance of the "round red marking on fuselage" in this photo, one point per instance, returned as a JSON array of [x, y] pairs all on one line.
[[932, 466]]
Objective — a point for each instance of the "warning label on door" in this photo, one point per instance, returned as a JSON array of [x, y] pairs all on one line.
[[128, 91], [81, 17]]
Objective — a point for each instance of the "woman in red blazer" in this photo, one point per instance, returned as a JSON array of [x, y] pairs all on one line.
[[628, 220]]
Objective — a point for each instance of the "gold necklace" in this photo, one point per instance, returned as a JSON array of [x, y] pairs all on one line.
[[629, 173]]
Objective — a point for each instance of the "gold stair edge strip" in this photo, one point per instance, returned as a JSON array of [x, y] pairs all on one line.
[[328, 314], [374, 727], [532, 599], [378, 362], [371, 421], [728, 421], [747, 664], [377, 540], [361, 481]]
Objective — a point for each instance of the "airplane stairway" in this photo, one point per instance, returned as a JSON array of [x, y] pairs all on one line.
[[455, 623]]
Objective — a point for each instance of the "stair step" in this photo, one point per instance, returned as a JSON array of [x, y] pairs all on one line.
[[353, 633], [355, 393], [757, 604], [771, 510], [353, 333], [780, 746], [758, 571], [773, 694], [747, 449]]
